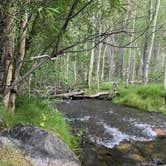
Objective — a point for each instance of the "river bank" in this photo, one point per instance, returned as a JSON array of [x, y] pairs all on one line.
[[39, 113], [143, 97]]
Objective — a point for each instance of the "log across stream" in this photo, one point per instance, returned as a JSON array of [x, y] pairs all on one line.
[[114, 135]]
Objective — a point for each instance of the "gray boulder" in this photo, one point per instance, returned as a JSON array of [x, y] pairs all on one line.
[[39, 146]]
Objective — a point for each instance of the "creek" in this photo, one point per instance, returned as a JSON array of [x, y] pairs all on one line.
[[114, 135]]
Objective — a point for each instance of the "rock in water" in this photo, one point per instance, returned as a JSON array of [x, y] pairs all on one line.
[[40, 146]]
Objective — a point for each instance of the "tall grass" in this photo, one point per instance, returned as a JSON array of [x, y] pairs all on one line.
[[144, 97]]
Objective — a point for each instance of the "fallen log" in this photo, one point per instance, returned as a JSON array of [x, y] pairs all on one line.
[[67, 95], [100, 94], [80, 95]]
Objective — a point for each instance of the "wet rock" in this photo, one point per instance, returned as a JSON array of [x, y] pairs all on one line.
[[124, 148], [39, 146], [136, 157], [159, 132]]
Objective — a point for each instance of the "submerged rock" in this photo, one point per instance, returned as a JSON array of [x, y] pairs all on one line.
[[39, 146]]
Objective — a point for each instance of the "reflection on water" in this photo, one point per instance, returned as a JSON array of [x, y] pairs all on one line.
[[115, 134]]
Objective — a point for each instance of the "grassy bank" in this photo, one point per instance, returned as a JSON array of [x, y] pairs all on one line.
[[143, 97], [39, 113]]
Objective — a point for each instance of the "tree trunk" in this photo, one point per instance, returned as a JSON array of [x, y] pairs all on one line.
[[91, 65], [98, 64], [148, 46], [140, 62], [67, 68], [111, 63], [75, 70], [103, 63], [19, 58], [128, 74], [8, 54], [165, 77], [2, 49]]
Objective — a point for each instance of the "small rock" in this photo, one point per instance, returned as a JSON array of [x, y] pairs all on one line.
[[124, 147], [159, 132], [136, 157]]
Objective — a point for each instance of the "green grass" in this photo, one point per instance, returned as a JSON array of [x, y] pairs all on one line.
[[39, 113], [144, 97]]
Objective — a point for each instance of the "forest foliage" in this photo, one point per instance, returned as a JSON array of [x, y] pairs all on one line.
[[78, 44]]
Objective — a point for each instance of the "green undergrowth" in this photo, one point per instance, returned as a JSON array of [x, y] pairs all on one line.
[[104, 86], [144, 97], [40, 113]]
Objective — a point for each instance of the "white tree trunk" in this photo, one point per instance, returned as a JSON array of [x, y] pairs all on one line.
[[103, 63], [130, 52], [110, 53], [75, 71], [149, 46], [98, 65], [91, 65], [165, 76]]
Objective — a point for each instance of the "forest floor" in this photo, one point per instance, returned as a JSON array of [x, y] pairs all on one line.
[[143, 97]]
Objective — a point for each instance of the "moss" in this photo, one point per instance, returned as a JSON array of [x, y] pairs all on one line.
[[12, 157]]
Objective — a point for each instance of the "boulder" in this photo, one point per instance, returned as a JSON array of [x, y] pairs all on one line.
[[39, 146]]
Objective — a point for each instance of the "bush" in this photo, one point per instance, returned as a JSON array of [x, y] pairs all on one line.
[[106, 86], [150, 90]]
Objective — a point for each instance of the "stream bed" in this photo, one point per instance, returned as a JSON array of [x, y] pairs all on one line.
[[114, 135]]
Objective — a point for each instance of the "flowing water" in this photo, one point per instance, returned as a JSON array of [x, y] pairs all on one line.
[[115, 135]]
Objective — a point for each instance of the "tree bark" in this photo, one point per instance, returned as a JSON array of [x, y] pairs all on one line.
[[165, 77], [111, 62], [128, 74], [148, 46], [2, 49], [19, 59], [98, 64], [75, 70], [103, 63], [91, 66], [8, 53]]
